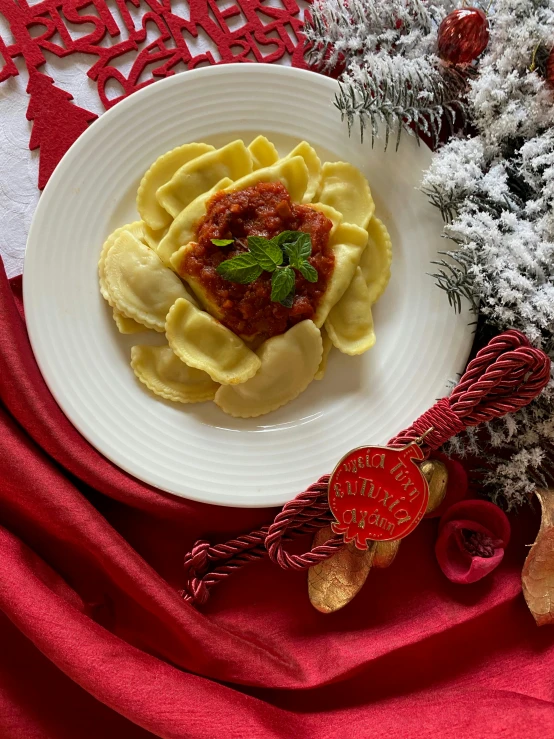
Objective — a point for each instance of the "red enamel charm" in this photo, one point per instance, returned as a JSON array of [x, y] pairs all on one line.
[[378, 494]]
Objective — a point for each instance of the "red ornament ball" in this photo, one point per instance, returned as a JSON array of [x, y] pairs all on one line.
[[463, 35]]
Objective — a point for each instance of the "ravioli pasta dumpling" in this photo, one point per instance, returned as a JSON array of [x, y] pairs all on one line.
[[160, 173], [201, 341], [202, 173], [138, 284], [291, 172], [159, 368], [288, 364], [125, 324], [350, 323], [347, 245], [313, 163], [255, 262], [182, 229], [137, 229], [376, 259], [344, 187], [263, 152], [327, 346]]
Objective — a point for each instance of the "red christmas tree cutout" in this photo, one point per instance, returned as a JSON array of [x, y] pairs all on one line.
[[57, 122]]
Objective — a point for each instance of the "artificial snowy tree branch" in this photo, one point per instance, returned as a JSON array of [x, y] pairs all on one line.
[[355, 30], [399, 94], [392, 79]]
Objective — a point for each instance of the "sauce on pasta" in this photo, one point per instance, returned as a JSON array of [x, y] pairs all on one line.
[[265, 210]]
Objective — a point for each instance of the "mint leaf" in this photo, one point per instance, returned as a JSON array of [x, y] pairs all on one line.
[[299, 250], [282, 284], [289, 300], [285, 237], [309, 272], [222, 242], [243, 269], [267, 254]]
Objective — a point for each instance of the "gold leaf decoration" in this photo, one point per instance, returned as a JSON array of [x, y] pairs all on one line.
[[436, 475], [537, 577], [385, 552], [335, 581]]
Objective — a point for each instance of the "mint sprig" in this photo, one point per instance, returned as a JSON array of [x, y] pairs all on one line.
[[268, 254], [243, 268], [282, 284], [222, 242], [280, 256]]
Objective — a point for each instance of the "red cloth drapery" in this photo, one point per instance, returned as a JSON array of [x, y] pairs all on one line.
[[96, 642]]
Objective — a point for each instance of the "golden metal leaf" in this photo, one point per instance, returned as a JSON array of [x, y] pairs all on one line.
[[385, 552], [537, 577], [333, 583], [436, 475]]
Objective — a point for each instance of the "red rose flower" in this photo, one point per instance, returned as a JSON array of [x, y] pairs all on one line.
[[473, 535]]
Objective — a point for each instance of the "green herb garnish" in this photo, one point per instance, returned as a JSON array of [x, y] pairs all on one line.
[[299, 250], [308, 272], [267, 253], [222, 242], [282, 284], [280, 255], [243, 268]]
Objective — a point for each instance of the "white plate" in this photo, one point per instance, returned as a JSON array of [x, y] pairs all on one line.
[[197, 451]]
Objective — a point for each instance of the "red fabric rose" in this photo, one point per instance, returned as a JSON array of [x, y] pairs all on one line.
[[473, 535]]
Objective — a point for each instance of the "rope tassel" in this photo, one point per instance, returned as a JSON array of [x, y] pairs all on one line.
[[505, 375]]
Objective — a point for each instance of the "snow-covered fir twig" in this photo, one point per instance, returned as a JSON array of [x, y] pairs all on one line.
[[392, 78], [354, 30], [399, 94], [496, 192]]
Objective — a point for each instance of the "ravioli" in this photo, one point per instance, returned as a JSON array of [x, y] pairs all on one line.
[[263, 152], [138, 284], [327, 346], [125, 324], [291, 172], [347, 244], [202, 173], [137, 229], [313, 163], [203, 342], [199, 292], [344, 188], [182, 229], [166, 375], [350, 323], [288, 363], [333, 215], [160, 173], [376, 259], [143, 233]]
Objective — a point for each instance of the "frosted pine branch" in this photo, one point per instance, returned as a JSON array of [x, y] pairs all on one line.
[[357, 29], [391, 77], [395, 94]]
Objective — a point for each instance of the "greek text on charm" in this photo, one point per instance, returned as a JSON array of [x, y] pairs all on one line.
[[378, 494]]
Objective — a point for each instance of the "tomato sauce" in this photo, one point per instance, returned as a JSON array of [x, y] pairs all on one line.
[[265, 210]]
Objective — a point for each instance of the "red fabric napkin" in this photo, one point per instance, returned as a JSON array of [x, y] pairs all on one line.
[[96, 642]]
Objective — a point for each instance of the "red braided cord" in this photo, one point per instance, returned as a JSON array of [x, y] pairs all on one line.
[[504, 376]]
